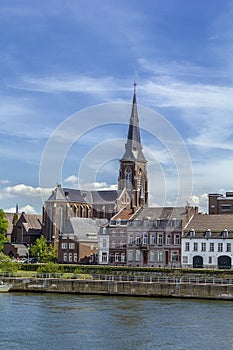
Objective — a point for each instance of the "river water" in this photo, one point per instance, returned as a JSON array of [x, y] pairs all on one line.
[[72, 322]]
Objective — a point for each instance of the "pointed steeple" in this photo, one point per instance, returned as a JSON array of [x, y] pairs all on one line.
[[133, 147]]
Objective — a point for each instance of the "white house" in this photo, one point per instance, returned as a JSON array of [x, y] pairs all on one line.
[[207, 242], [103, 245]]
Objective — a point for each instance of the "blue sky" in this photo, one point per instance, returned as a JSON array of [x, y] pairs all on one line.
[[58, 58]]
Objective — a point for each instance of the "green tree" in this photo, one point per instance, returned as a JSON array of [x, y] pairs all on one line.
[[3, 222], [43, 251], [3, 229]]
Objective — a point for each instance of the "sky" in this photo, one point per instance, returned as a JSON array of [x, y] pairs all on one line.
[[67, 70]]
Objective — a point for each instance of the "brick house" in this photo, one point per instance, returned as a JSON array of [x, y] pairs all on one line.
[[79, 243], [154, 236]]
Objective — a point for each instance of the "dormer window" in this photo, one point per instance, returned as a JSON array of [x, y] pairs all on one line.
[[224, 233], [192, 233], [208, 233]]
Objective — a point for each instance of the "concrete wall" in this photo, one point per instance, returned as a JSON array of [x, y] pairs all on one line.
[[128, 288]]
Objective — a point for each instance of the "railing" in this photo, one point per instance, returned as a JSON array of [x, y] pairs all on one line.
[[120, 278]]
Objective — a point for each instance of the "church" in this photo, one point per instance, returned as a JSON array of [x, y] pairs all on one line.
[[132, 192]]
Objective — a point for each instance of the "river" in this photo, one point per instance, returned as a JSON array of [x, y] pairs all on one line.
[[72, 322]]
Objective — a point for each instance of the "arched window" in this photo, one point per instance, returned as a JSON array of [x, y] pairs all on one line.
[[128, 178]]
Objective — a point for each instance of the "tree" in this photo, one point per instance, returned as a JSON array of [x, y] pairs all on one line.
[[3, 222], [3, 229], [43, 251]]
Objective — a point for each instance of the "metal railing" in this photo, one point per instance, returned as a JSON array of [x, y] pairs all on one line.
[[119, 278]]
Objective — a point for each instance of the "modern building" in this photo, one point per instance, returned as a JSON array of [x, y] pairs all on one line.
[[220, 204], [208, 241]]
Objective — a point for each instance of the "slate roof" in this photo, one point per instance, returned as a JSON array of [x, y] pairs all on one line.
[[167, 213], [33, 221], [216, 223], [82, 196], [85, 229], [9, 217], [133, 147]]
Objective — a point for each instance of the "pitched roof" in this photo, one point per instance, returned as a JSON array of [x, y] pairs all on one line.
[[32, 221], [9, 217], [82, 196], [167, 213], [124, 214], [216, 223], [85, 229]]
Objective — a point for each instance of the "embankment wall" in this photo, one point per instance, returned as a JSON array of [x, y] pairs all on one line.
[[127, 288]]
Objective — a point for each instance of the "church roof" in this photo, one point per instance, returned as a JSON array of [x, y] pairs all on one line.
[[133, 147], [82, 196]]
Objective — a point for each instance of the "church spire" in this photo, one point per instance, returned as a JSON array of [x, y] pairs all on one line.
[[133, 147]]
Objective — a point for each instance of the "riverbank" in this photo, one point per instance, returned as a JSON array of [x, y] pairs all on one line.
[[176, 287]]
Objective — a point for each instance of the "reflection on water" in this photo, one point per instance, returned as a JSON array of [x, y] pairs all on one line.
[[71, 322]]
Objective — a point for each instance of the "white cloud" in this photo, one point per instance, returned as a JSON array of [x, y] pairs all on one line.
[[24, 190], [26, 209]]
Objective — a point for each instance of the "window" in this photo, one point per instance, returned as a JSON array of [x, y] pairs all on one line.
[[152, 239], [145, 239], [138, 255], [65, 257], [228, 247], [122, 257], [70, 257], [168, 239], [220, 247], [128, 178], [160, 239], [203, 246], [131, 240], [211, 247], [113, 244], [104, 243], [75, 257], [117, 257], [130, 255], [64, 246], [225, 207], [177, 239], [138, 239], [187, 246], [71, 245], [210, 259], [122, 244], [195, 246], [104, 257], [174, 257], [160, 256], [152, 256], [185, 259]]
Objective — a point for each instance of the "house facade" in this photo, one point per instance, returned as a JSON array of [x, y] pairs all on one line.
[[208, 242], [154, 236], [79, 243]]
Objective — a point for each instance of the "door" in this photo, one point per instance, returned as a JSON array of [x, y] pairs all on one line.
[[197, 261], [224, 262]]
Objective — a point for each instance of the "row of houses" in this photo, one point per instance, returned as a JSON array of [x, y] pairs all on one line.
[[118, 227]]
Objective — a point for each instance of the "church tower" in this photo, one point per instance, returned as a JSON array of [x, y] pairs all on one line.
[[133, 169]]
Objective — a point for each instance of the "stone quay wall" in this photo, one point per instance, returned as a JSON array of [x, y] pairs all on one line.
[[178, 289]]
